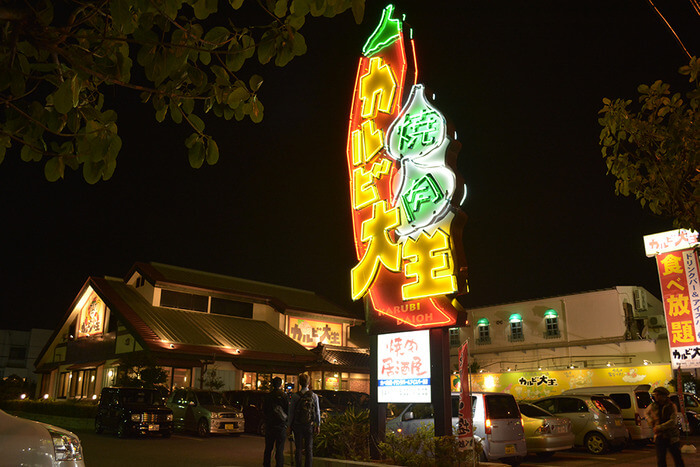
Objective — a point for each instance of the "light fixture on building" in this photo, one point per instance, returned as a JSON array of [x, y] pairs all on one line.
[[23, 396], [481, 370], [46, 396], [94, 396], [172, 346], [608, 364], [539, 368], [508, 369], [647, 362], [572, 366]]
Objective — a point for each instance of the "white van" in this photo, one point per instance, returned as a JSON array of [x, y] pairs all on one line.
[[496, 420], [632, 400]]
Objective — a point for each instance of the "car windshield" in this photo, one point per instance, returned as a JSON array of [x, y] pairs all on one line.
[[140, 397], [501, 406], [394, 410], [211, 398], [643, 399], [533, 411], [605, 405]]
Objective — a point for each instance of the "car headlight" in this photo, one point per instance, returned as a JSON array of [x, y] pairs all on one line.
[[169, 417], [66, 447], [215, 415], [135, 417]]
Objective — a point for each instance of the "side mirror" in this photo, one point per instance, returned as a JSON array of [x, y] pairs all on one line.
[[407, 416]]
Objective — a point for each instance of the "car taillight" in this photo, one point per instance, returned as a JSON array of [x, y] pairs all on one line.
[[637, 419], [487, 426], [544, 428]]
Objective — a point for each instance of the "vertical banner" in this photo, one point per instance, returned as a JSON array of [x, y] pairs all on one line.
[[678, 276], [465, 431]]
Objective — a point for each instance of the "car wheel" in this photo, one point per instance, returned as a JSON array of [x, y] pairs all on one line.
[[99, 428], [595, 443], [122, 430], [261, 428], [203, 428]]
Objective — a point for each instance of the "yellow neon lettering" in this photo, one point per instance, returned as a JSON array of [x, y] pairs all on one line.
[[381, 250], [377, 89], [364, 192], [682, 331], [366, 142], [672, 265], [430, 263], [678, 305]]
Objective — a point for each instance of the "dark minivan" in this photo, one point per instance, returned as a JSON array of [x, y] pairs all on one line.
[[131, 411]]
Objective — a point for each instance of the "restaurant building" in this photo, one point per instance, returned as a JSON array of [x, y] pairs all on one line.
[[541, 347], [190, 322]]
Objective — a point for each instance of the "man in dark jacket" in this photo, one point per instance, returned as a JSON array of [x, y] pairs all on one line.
[[304, 420], [662, 418], [275, 408]]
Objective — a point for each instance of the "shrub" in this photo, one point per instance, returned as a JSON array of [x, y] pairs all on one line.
[[344, 436], [69, 408], [423, 449]]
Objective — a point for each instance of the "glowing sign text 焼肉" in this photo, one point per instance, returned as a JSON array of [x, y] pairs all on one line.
[[405, 193]]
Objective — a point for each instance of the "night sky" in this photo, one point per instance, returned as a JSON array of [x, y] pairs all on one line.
[[522, 82]]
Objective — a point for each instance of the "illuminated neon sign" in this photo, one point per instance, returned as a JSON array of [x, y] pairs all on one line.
[[404, 191], [91, 317]]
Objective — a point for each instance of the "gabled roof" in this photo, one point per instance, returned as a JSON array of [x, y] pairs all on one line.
[[196, 332], [347, 357], [280, 297]]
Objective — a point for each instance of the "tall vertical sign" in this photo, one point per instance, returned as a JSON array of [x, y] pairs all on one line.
[[677, 263], [465, 430], [405, 193]]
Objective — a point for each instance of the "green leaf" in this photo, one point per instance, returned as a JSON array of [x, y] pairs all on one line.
[[28, 153], [53, 170], [3, 149], [236, 96], [92, 171], [300, 7], [298, 44], [63, 97], [280, 8], [266, 48], [255, 82], [196, 122], [196, 155], [256, 111], [212, 152], [295, 21], [358, 10], [175, 112], [204, 8], [217, 36], [236, 4]]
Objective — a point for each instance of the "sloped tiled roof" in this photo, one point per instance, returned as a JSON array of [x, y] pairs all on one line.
[[280, 296], [196, 332], [346, 357]]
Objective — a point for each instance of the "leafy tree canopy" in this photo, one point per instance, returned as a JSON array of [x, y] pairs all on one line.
[[654, 151], [182, 57]]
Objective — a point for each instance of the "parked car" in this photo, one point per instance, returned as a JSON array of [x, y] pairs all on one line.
[[632, 400], [251, 404], [26, 442], [344, 399], [205, 412], [692, 412], [129, 411], [497, 421], [596, 421], [545, 434]]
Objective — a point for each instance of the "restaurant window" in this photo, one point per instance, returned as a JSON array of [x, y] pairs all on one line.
[[183, 301], [221, 306], [454, 337], [17, 353], [248, 380], [88, 382], [483, 331], [168, 376], [63, 384], [551, 323], [182, 377], [516, 328]]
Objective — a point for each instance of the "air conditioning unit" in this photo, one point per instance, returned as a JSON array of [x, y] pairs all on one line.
[[640, 299], [657, 321]]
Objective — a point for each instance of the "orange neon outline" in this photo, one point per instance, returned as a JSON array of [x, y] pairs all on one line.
[[415, 62]]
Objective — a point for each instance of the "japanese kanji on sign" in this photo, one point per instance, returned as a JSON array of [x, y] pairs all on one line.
[[405, 193], [404, 367]]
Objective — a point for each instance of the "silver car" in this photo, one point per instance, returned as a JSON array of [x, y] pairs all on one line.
[[26, 442], [596, 421], [205, 412], [545, 434]]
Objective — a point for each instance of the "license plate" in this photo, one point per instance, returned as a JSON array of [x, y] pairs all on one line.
[[618, 422], [153, 427], [510, 448], [229, 426]]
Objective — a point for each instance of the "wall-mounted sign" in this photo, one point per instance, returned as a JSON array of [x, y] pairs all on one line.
[[403, 362], [310, 333], [680, 291], [91, 317], [405, 193], [673, 240]]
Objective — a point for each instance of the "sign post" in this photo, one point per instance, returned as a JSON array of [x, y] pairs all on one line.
[[465, 429]]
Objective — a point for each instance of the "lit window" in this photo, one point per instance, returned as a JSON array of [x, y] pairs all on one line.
[[483, 336], [454, 337], [551, 322], [516, 328]]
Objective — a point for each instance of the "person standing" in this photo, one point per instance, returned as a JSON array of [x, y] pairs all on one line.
[[275, 410], [304, 420], [661, 415]]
